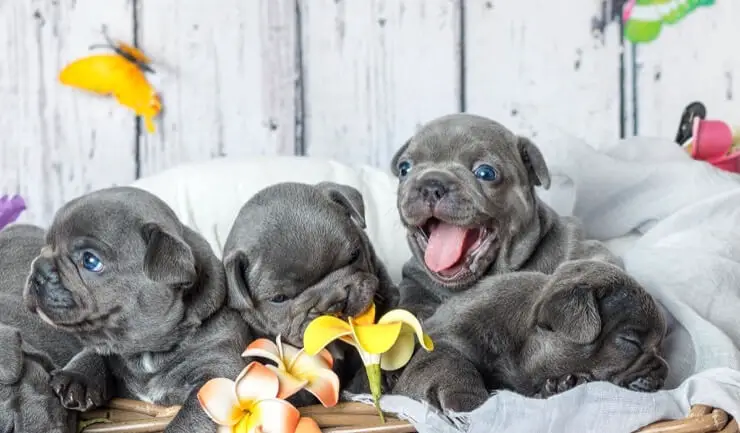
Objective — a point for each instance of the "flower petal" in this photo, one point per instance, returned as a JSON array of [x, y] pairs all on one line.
[[289, 384], [326, 355], [408, 319], [256, 382], [305, 365], [401, 352], [322, 331], [367, 317], [307, 425], [377, 339], [264, 348], [324, 385], [274, 416], [225, 429], [218, 400]]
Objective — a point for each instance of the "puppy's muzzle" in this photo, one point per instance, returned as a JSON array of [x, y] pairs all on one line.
[[651, 375], [47, 286]]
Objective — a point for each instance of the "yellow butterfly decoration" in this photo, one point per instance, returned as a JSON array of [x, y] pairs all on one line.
[[120, 74]]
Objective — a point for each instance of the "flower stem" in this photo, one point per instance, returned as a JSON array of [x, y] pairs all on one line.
[[373, 378]]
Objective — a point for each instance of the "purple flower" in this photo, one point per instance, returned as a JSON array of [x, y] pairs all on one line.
[[10, 209]]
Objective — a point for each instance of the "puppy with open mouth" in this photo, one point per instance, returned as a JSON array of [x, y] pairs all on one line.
[[30, 349], [297, 251], [539, 335], [145, 295], [467, 197]]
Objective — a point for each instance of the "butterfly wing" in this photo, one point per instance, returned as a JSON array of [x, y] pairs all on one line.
[[112, 74], [100, 73]]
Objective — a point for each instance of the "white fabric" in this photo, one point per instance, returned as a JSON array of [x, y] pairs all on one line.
[[207, 196], [672, 219]]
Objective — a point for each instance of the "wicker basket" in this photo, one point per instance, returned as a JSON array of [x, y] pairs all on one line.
[[131, 416]]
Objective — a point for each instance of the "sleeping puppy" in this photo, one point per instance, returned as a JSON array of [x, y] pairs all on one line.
[[29, 348], [146, 296], [467, 198], [298, 251], [538, 335]]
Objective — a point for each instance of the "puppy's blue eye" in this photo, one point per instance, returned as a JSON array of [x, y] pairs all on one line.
[[404, 168], [91, 262], [485, 172]]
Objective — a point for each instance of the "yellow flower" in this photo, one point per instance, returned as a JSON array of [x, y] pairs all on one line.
[[298, 370], [249, 404], [387, 344]]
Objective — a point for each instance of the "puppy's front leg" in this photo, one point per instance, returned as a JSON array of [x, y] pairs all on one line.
[[444, 378], [191, 418], [84, 383]]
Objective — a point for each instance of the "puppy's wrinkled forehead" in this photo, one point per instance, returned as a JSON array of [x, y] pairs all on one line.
[[112, 215], [461, 137], [300, 234]]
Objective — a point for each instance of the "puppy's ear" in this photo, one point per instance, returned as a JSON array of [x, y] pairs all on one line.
[[11, 355], [569, 305], [397, 156], [347, 197], [539, 174], [236, 265], [168, 259]]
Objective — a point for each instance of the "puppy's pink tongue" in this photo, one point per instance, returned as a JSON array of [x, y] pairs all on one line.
[[445, 247]]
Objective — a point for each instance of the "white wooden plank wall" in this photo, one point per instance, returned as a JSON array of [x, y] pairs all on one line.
[[343, 79]]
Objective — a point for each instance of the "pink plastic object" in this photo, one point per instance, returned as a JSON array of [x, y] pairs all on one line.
[[712, 142], [712, 139]]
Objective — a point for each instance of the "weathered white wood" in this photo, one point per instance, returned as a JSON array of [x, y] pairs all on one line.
[[695, 59], [227, 79], [375, 70], [57, 142], [548, 69]]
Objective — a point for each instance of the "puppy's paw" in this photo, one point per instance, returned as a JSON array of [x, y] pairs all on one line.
[[557, 385], [77, 391], [646, 384], [461, 400]]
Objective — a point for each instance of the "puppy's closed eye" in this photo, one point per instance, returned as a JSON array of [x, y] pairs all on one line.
[[631, 338], [355, 256], [278, 299]]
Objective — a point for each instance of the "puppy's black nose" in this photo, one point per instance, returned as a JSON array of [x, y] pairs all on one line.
[[433, 190]]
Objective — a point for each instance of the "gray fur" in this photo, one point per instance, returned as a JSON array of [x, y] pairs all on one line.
[[538, 335], [523, 233], [304, 246], [154, 320], [29, 348]]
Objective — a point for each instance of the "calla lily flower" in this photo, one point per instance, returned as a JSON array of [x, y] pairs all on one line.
[[249, 404], [298, 370], [387, 344]]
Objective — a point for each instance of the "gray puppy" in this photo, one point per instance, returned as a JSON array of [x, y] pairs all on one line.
[[29, 348], [147, 297], [297, 251], [538, 335], [467, 198]]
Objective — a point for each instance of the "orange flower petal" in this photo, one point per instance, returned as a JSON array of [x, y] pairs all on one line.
[[324, 385], [327, 358], [256, 382], [307, 425], [265, 348], [218, 400], [289, 384], [367, 317], [274, 416]]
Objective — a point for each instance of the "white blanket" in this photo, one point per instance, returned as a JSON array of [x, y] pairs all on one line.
[[674, 222]]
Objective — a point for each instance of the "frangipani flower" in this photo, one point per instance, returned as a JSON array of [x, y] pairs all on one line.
[[298, 370], [249, 404], [387, 344]]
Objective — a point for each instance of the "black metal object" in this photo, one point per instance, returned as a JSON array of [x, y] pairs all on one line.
[[693, 110]]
